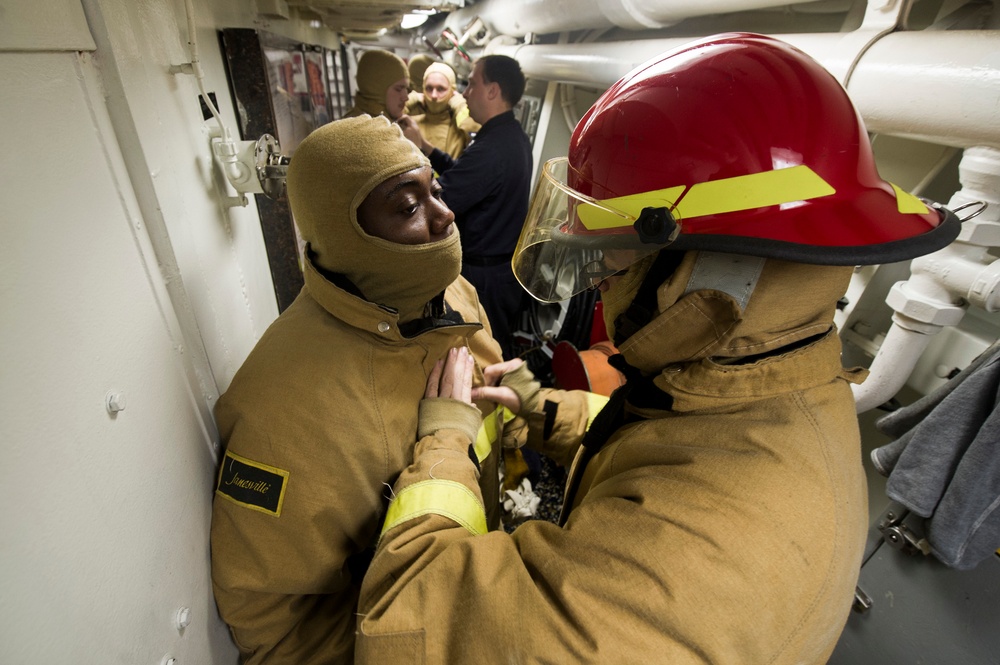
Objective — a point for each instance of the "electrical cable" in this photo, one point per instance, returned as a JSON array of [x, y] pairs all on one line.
[[199, 74]]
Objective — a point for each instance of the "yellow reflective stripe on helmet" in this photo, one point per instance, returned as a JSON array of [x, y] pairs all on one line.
[[908, 203], [757, 190], [437, 497], [624, 210], [745, 192], [595, 403]]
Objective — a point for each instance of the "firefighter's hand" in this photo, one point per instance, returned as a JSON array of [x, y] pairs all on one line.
[[493, 391], [412, 131], [452, 376]]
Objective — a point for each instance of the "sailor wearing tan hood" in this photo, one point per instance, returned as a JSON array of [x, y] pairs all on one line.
[[383, 85], [324, 411], [442, 113]]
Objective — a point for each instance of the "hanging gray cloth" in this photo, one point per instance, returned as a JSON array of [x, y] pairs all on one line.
[[945, 463]]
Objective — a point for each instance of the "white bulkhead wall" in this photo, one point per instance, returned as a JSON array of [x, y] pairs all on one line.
[[131, 295]]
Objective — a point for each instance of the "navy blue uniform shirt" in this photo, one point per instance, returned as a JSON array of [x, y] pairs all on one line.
[[488, 187]]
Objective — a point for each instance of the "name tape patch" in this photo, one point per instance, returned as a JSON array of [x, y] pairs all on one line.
[[252, 484]]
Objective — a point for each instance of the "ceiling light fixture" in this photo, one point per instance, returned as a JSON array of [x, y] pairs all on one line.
[[410, 21]]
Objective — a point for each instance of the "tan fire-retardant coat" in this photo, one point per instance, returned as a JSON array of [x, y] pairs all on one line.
[[329, 395], [727, 528], [442, 130], [450, 129]]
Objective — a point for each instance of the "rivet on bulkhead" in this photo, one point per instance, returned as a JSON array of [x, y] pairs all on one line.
[[182, 619], [114, 401]]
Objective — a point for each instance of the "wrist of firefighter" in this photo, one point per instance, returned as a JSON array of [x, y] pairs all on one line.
[[444, 413], [525, 386], [447, 430], [444, 476]]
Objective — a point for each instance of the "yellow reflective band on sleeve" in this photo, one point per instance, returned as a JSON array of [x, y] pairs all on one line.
[[745, 192], [908, 203], [461, 116], [595, 403], [489, 433], [437, 497], [490, 430]]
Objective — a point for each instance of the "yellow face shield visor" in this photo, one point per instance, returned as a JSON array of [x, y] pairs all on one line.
[[570, 242]]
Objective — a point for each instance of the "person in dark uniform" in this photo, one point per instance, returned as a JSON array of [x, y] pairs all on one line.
[[488, 188]]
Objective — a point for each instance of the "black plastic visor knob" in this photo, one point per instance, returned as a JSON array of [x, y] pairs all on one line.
[[656, 226]]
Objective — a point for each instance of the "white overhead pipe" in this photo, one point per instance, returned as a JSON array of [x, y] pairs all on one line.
[[942, 285], [938, 86], [521, 17], [598, 65], [941, 87]]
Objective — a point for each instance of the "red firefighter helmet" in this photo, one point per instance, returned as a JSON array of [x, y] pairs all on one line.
[[736, 143]]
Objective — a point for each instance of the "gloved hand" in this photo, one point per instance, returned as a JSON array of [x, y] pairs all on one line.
[[512, 384], [457, 102]]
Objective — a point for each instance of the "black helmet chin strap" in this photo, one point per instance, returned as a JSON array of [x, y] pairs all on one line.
[[612, 416], [610, 419], [607, 422], [643, 306], [733, 274]]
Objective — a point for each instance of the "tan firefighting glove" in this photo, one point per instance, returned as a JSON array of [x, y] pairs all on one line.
[[525, 385]]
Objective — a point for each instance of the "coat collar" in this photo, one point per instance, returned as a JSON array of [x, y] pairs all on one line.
[[378, 320], [708, 384], [504, 118]]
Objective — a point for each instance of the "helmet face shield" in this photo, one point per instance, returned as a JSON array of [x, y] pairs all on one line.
[[571, 242], [749, 143]]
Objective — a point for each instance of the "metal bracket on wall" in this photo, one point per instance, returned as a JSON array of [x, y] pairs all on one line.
[[904, 535], [272, 167], [255, 167], [903, 531]]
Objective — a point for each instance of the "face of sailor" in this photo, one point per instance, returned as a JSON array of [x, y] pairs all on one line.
[[478, 94], [437, 87], [395, 98], [407, 209]]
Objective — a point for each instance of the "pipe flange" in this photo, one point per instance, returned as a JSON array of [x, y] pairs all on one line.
[[934, 314]]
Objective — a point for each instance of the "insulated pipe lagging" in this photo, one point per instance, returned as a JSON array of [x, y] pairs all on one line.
[[938, 86], [518, 18]]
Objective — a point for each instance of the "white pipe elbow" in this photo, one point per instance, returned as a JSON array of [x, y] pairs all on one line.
[[891, 368], [960, 273]]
